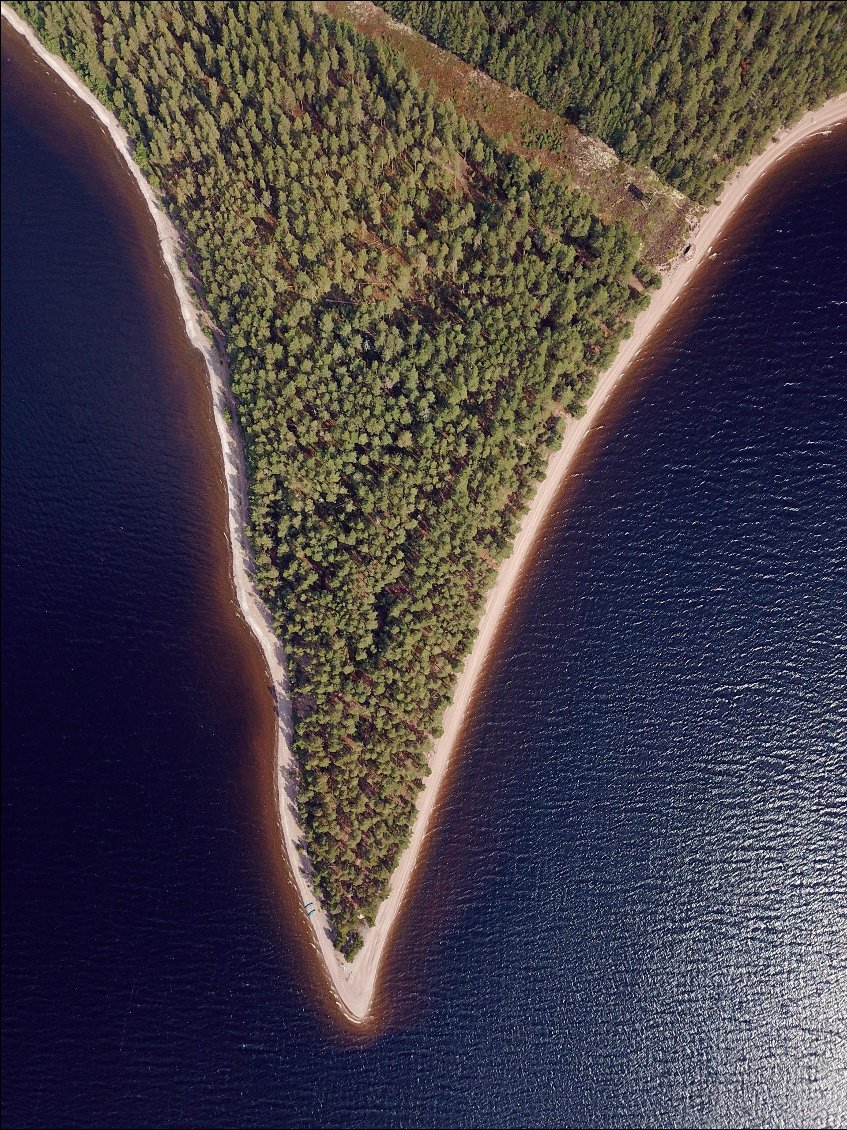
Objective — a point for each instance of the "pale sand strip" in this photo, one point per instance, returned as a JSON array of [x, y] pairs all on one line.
[[354, 982], [361, 980], [252, 608]]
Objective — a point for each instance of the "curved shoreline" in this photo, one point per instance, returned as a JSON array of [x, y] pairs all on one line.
[[675, 279], [354, 983], [250, 604]]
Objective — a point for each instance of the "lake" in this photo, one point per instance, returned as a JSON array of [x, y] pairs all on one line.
[[633, 908]]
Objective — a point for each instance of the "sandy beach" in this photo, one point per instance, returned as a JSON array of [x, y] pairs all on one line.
[[354, 983], [362, 979], [233, 474]]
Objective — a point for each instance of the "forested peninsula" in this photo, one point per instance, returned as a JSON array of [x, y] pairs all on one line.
[[411, 311]]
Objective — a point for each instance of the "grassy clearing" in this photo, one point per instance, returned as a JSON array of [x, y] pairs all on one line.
[[657, 213]]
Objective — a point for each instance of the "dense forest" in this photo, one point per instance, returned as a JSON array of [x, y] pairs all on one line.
[[693, 88], [408, 313]]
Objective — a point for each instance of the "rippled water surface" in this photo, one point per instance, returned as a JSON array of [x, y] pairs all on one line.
[[634, 905]]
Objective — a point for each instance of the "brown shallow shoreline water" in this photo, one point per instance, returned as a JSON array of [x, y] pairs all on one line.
[[740, 230], [714, 225], [355, 985], [70, 128]]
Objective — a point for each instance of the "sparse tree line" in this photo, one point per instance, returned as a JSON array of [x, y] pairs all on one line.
[[692, 87]]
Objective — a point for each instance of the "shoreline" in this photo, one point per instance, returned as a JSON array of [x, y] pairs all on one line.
[[674, 280], [353, 984], [249, 602]]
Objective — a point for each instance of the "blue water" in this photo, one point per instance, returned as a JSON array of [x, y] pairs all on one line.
[[633, 910]]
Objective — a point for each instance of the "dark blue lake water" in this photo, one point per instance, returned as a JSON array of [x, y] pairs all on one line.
[[634, 906]]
